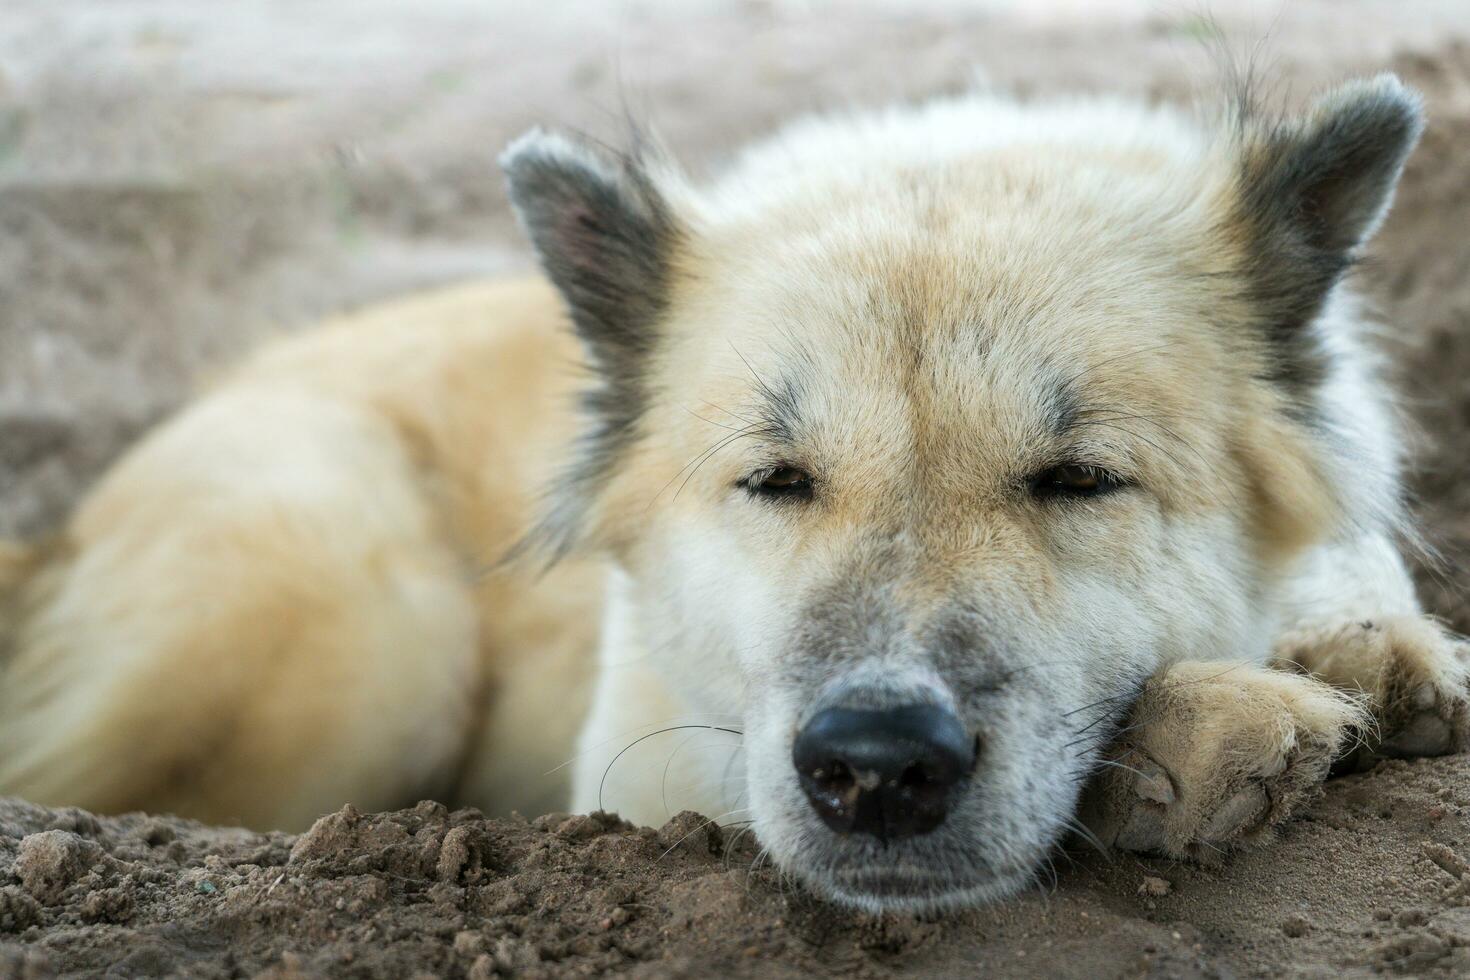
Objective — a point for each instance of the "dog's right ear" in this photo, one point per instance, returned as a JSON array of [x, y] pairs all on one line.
[[605, 236]]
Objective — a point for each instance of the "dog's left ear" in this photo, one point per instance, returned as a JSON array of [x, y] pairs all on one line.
[[605, 236], [1313, 190], [1327, 180]]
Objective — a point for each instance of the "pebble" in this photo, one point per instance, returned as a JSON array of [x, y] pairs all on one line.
[[49, 861], [1154, 887]]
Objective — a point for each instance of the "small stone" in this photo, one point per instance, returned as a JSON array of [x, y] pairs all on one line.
[[454, 854], [108, 905], [431, 810], [50, 861], [691, 833], [326, 835], [1154, 887], [583, 826]]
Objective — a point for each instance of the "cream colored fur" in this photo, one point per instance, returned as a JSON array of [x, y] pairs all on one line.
[[285, 598], [290, 596]]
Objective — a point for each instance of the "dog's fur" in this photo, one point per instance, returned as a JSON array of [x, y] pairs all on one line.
[[288, 596]]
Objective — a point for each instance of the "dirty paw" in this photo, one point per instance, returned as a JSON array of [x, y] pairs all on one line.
[[1415, 674], [1216, 756]]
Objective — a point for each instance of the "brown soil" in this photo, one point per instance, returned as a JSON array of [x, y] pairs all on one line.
[[174, 187], [1374, 878]]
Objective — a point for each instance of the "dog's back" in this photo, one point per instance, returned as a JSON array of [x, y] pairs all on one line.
[[285, 598]]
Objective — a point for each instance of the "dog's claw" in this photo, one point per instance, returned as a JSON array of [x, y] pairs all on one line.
[[1427, 733], [1143, 830], [1433, 718], [1153, 783], [1242, 813]]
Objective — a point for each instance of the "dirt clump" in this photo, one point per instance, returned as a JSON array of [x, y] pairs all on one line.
[[429, 892]]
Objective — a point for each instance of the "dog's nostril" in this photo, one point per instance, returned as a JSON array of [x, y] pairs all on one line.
[[835, 776], [914, 776], [887, 773]]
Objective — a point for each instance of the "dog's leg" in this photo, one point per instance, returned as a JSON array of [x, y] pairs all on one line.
[[255, 622], [1355, 623], [1215, 756], [1412, 672]]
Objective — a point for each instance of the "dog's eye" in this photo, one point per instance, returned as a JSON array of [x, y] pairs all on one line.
[[781, 481], [1074, 480]]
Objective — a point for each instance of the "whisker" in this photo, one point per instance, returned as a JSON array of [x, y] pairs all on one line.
[[709, 822], [699, 458], [629, 731], [662, 731], [1085, 832], [663, 787], [1113, 763]]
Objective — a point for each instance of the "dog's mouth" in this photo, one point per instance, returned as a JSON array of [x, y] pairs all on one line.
[[913, 889], [874, 877]]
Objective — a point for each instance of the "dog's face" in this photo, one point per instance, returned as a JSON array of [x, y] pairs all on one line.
[[923, 451]]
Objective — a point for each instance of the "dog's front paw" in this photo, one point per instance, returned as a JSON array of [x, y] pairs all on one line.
[[1215, 756], [1415, 674]]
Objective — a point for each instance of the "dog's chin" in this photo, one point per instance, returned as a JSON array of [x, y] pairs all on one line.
[[944, 872], [877, 890]]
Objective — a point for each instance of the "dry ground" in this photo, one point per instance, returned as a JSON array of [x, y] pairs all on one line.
[[179, 180]]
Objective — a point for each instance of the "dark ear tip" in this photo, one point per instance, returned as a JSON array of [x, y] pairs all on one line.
[[1382, 101], [523, 148], [542, 151]]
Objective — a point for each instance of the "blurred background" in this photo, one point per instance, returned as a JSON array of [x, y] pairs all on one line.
[[179, 179]]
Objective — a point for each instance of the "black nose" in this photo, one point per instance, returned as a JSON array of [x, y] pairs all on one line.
[[886, 773]]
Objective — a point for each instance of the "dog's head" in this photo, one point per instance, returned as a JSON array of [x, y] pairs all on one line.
[[924, 438]]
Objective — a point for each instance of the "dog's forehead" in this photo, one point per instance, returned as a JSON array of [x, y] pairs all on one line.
[[1026, 255], [1004, 319]]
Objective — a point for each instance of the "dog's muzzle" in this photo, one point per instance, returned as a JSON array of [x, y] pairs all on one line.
[[891, 773]]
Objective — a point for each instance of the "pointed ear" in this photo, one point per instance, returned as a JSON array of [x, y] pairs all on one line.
[[605, 237], [1313, 190], [1330, 177]]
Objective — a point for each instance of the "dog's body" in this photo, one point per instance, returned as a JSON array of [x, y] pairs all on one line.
[[1024, 421], [283, 599]]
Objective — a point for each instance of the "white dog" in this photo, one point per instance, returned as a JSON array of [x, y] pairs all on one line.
[[930, 464]]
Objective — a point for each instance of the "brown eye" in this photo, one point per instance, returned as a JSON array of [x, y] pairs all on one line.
[[1074, 480], [781, 481]]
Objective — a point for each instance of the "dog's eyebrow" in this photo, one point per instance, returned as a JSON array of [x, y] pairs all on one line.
[[780, 412], [1061, 406], [778, 408]]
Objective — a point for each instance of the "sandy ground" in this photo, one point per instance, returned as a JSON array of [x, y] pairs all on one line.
[[179, 180], [1375, 879]]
